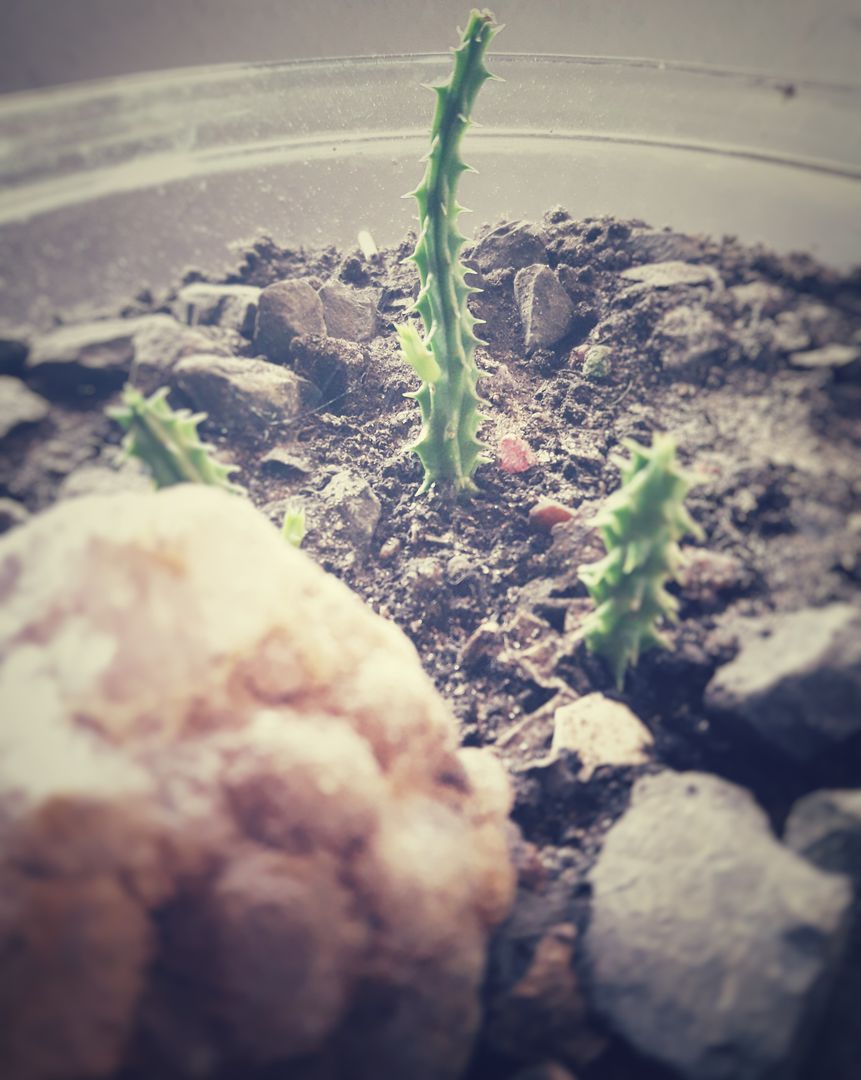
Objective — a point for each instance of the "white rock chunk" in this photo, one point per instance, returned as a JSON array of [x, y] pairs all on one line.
[[601, 732], [219, 769]]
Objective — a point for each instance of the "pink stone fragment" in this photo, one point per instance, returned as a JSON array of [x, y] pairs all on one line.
[[515, 454], [548, 512]]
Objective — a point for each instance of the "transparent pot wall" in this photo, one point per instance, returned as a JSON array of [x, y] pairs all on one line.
[[113, 186]]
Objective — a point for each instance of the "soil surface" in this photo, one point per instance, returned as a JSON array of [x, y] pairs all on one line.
[[735, 357]]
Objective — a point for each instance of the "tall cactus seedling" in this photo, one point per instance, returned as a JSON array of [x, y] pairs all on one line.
[[444, 359]]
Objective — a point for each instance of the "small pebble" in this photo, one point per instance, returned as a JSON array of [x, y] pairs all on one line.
[[515, 454], [548, 512]]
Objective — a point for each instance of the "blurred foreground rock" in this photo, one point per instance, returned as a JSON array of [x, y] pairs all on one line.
[[235, 826]]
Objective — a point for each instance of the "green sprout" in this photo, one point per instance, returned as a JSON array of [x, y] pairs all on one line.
[[293, 527], [640, 525], [166, 441], [444, 358]]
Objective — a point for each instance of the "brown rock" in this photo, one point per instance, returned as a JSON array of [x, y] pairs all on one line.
[[548, 512], [545, 1012], [285, 310]]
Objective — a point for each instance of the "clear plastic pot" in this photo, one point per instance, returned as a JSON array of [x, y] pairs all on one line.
[[111, 186]]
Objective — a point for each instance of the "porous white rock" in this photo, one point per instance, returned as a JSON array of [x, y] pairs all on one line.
[[197, 722], [602, 732]]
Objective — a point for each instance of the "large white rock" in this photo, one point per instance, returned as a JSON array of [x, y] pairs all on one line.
[[234, 820]]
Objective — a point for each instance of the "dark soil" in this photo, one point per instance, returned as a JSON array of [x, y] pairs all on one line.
[[492, 599]]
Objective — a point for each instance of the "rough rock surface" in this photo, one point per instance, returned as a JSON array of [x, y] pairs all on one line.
[[160, 342], [688, 337], [350, 314], [796, 679], [220, 771], [284, 311], [711, 945], [601, 732], [96, 346], [666, 275], [830, 356], [102, 478], [546, 311], [19, 405], [232, 389], [515, 244], [335, 366], [231, 306], [347, 507], [825, 827]]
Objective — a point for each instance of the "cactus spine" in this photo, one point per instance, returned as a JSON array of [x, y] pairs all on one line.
[[167, 442], [640, 525], [444, 359]]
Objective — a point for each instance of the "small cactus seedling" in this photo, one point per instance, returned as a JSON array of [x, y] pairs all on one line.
[[166, 441], [293, 527], [444, 359], [640, 525]]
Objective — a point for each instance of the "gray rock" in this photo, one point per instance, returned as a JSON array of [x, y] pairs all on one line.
[[711, 946], [665, 275], [758, 298], [688, 336], [350, 314], [284, 459], [662, 245], [789, 332], [516, 243], [349, 511], [825, 828], [829, 356], [546, 311], [103, 353], [238, 392], [285, 310], [231, 306], [334, 366], [796, 680], [160, 342], [12, 513], [19, 405], [102, 479], [106, 345]]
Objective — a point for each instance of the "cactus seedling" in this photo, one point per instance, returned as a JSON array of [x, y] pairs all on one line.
[[167, 442], [444, 359], [293, 526], [640, 525]]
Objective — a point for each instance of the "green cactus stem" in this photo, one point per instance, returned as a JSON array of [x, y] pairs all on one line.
[[640, 525], [444, 359], [166, 441]]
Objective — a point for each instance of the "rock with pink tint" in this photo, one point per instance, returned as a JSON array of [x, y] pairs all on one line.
[[515, 454], [234, 817], [548, 512]]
